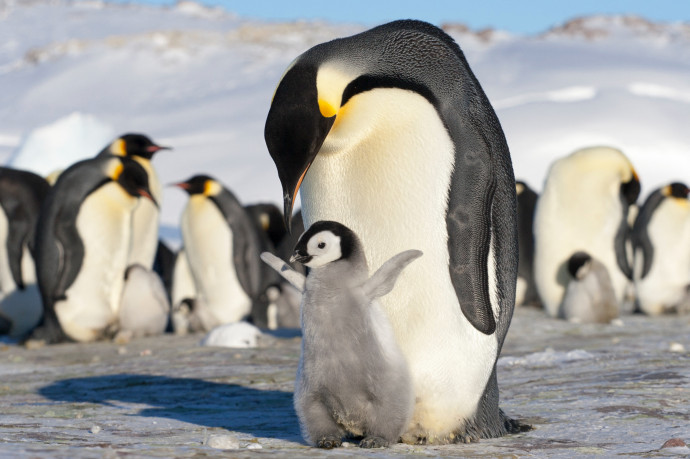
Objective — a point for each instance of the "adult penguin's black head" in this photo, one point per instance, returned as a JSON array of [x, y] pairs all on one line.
[[296, 126], [133, 145], [132, 178], [676, 190], [200, 184]]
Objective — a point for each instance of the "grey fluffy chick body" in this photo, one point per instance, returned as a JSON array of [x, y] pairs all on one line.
[[352, 379], [589, 297]]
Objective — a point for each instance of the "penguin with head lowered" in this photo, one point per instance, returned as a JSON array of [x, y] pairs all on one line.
[[584, 207], [21, 196], [389, 132], [526, 291], [83, 242], [222, 249], [661, 243], [352, 379], [145, 219]]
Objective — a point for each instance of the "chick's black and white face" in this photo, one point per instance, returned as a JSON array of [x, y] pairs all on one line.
[[320, 249]]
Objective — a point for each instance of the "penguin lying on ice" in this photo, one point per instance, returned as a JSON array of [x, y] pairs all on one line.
[[352, 379]]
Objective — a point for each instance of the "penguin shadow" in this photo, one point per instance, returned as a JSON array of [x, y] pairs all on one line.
[[260, 413]]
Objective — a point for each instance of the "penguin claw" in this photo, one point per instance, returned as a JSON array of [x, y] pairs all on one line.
[[373, 442], [328, 442]]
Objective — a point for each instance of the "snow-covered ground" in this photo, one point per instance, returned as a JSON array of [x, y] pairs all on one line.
[[201, 81]]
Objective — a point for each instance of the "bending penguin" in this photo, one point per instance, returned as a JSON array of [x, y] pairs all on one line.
[[661, 241], [589, 296], [346, 333], [584, 207], [145, 219], [389, 133], [222, 249], [82, 247], [21, 196], [526, 291]]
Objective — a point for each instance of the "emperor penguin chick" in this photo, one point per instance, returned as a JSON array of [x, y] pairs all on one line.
[[353, 379], [144, 307], [589, 296]]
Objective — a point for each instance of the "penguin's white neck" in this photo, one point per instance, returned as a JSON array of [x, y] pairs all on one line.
[[384, 171]]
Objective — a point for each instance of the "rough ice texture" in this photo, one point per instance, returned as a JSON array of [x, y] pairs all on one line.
[[587, 389]]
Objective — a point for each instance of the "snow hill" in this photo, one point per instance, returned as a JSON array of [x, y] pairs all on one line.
[[201, 79]]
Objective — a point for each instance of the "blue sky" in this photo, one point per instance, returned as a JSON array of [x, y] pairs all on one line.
[[516, 16]]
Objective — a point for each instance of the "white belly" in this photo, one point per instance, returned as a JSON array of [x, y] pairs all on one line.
[[669, 231], [570, 217], [104, 225], [392, 191], [208, 243], [7, 284], [145, 222]]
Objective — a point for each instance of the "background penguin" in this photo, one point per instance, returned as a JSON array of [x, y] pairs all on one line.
[[145, 219], [661, 241], [389, 132], [589, 297], [82, 245], [584, 207], [144, 306], [21, 196], [222, 249], [183, 297], [345, 332], [526, 291]]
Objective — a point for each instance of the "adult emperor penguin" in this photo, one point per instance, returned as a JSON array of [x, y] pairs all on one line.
[[21, 196], [82, 245], [222, 249], [661, 241], [145, 219], [526, 291], [584, 207], [389, 132], [345, 332]]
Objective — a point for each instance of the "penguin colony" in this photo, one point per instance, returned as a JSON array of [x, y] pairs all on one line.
[[395, 150]]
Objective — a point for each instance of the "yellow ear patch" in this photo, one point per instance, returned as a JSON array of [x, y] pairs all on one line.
[[118, 148], [211, 188], [326, 109], [666, 191], [117, 171]]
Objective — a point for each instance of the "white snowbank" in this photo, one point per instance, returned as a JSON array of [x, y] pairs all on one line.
[[62, 143]]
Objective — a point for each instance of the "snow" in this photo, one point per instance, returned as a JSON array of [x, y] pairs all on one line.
[[201, 80], [58, 145]]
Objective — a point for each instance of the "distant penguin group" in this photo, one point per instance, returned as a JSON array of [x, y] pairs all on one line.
[[584, 208]]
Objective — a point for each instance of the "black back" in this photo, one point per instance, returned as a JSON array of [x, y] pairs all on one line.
[[526, 204], [21, 195]]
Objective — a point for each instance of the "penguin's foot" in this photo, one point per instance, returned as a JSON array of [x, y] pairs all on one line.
[[123, 337], [514, 426], [373, 442], [329, 442], [466, 437]]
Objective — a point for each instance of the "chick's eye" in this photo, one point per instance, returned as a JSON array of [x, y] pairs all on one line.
[[322, 245]]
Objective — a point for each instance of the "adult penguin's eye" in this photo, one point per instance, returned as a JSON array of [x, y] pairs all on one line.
[[322, 245]]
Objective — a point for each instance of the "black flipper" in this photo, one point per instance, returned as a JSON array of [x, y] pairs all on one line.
[[640, 236]]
